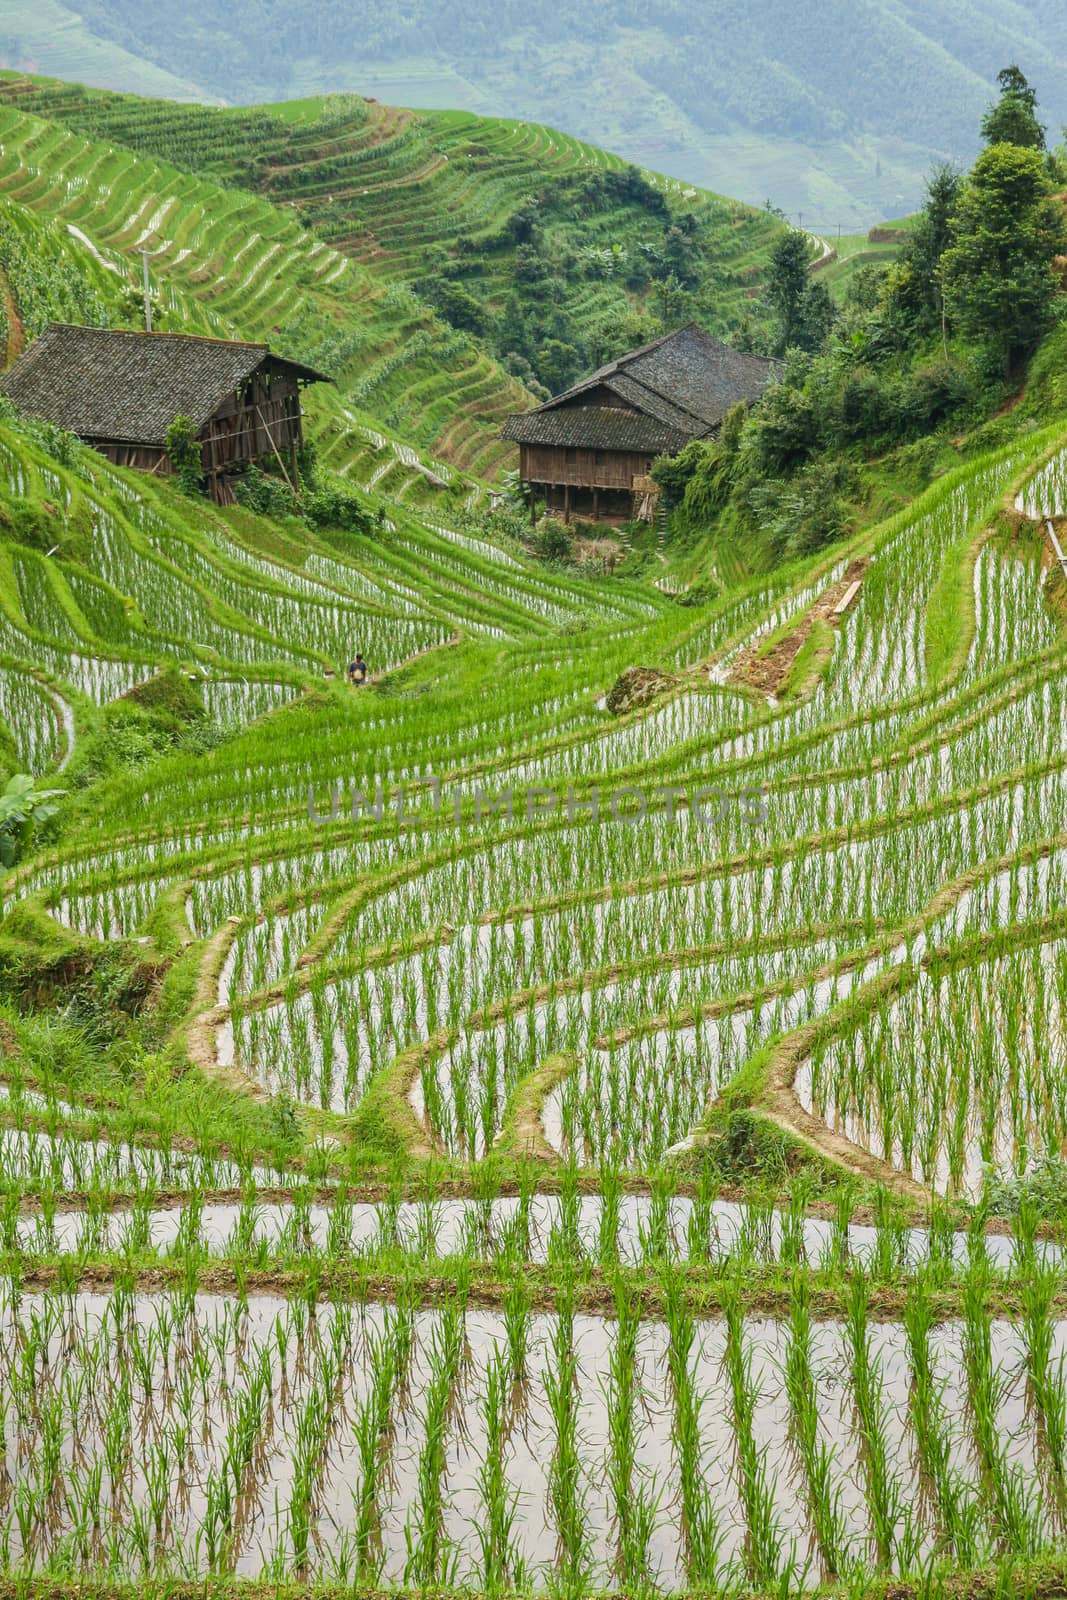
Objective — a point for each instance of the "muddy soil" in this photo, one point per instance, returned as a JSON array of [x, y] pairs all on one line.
[[767, 673]]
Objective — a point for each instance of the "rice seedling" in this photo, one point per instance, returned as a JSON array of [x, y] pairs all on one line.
[[502, 1568], [1013, 1502], [767, 1561], [573, 1562], [815, 1454], [429, 1558], [702, 1537]]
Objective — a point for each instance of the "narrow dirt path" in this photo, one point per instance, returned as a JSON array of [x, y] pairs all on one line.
[[768, 670], [65, 712]]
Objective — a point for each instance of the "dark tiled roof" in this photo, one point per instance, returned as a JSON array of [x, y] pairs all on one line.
[[687, 381], [594, 428], [652, 404], [104, 383]]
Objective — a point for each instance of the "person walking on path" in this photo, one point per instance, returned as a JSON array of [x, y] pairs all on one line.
[[357, 670]]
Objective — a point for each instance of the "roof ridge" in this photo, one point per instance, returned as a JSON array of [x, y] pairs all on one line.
[[687, 379], [596, 427], [121, 384], [609, 367], [160, 333]]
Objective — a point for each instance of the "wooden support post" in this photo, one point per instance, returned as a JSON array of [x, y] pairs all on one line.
[[274, 447], [566, 502], [596, 505], [532, 487]]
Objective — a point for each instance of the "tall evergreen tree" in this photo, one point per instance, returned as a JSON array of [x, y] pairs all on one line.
[[917, 290], [1013, 119], [802, 308], [787, 285]]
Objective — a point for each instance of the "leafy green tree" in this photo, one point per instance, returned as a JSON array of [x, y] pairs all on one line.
[[673, 304], [629, 184], [681, 250], [863, 292], [614, 334], [23, 807], [783, 431], [521, 368], [552, 540], [456, 304], [524, 223], [998, 274], [512, 330], [817, 316], [558, 364], [787, 284], [1013, 118], [917, 287], [530, 266]]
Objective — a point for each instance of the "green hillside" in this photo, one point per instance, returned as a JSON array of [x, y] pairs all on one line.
[[61, 40], [835, 114], [395, 364], [553, 253]]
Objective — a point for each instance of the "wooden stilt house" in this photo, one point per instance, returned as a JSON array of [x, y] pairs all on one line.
[[120, 392], [587, 452]]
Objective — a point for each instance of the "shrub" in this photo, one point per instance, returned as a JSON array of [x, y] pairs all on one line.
[[456, 304], [807, 513], [936, 391], [552, 540], [183, 447], [750, 1147], [784, 430], [170, 692], [336, 505], [1044, 1187], [29, 523], [23, 808], [673, 473], [865, 406], [917, 462], [268, 497]]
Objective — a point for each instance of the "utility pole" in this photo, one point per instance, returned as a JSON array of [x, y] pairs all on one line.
[[147, 294]]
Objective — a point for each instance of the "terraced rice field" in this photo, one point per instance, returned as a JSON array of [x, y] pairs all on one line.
[[542, 1151]]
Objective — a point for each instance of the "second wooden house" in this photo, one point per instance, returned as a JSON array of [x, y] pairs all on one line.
[[586, 452]]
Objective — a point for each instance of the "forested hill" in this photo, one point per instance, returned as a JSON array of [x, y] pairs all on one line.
[[835, 110]]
